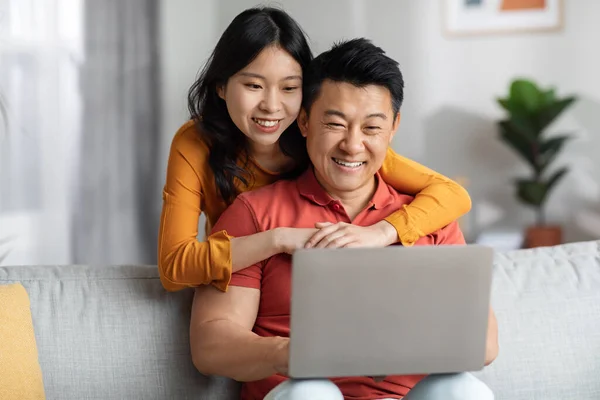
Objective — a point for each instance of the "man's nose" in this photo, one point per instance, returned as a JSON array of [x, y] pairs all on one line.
[[353, 141], [271, 101]]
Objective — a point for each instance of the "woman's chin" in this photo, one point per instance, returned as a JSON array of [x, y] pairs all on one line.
[[264, 139]]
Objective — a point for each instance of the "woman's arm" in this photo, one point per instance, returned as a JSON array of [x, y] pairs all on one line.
[[251, 249], [183, 260], [438, 199]]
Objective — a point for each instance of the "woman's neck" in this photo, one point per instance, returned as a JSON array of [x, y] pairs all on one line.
[[270, 157]]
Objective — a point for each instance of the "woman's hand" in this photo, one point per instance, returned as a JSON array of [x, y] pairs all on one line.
[[288, 240], [343, 234]]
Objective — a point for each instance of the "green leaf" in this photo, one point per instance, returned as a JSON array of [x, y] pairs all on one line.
[[531, 192], [554, 144], [505, 103], [555, 178], [526, 95], [550, 112], [517, 141], [525, 126], [550, 148], [549, 97]]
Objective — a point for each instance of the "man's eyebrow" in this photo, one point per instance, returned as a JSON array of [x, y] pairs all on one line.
[[377, 115], [335, 113], [258, 76], [342, 115]]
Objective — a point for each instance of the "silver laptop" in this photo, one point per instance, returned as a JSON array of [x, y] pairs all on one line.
[[390, 311]]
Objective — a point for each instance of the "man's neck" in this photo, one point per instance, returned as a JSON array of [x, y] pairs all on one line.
[[356, 200]]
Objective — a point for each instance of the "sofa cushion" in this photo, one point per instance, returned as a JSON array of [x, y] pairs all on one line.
[[547, 301], [113, 333], [20, 373]]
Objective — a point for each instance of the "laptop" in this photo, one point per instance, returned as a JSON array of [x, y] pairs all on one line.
[[389, 311]]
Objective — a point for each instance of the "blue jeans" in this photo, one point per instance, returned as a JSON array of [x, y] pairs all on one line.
[[463, 386]]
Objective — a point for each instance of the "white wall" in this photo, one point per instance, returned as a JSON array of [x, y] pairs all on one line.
[[451, 87], [188, 35], [451, 83]]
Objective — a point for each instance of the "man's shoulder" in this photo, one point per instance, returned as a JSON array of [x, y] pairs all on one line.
[[449, 234], [396, 199], [273, 205]]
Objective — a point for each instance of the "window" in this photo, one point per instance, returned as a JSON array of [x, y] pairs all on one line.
[[41, 48]]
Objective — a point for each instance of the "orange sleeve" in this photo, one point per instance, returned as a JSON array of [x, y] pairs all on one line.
[[438, 199], [240, 220], [183, 261]]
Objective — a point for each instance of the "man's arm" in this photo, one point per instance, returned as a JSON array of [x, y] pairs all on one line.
[[452, 235], [221, 337], [491, 344], [222, 341]]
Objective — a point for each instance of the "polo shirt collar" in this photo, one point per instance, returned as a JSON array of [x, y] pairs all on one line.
[[310, 188]]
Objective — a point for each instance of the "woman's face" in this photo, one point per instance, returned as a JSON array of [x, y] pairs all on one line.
[[264, 98]]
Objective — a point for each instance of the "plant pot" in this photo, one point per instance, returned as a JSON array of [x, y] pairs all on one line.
[[541, 236]]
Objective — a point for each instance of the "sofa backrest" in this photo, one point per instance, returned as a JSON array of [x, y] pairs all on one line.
[[113, 333], [547, 301]]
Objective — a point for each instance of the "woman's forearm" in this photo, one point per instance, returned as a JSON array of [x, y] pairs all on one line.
[[251, 249]]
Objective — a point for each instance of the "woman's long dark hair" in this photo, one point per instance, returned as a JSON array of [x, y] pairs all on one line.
[[247, 35]]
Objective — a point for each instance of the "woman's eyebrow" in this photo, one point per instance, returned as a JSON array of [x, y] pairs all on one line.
[[258, 76]]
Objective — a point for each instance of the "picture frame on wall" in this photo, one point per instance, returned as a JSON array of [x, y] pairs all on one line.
[[480, 17]]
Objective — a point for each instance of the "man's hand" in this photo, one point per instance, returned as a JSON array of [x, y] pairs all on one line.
[[343, 234], [288, 240]]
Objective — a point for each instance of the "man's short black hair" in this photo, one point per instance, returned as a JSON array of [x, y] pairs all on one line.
[[358, 62]]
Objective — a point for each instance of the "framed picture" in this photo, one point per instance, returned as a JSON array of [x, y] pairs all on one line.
[[474, 17]]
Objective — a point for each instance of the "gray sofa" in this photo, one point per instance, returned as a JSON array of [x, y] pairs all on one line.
[[114, 333]]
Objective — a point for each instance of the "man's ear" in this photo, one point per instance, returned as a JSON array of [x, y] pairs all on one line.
[[395, 126], [303, 122], [221, 91]]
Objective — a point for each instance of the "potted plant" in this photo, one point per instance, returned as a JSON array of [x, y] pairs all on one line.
[[530, 110]]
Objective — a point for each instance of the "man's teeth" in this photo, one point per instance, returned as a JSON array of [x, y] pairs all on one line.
[[264, 122], [349, 164]]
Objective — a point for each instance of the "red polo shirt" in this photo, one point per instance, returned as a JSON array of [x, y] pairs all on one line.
[[300, 204]]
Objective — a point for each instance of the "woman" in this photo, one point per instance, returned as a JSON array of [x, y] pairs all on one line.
[[243, 135]]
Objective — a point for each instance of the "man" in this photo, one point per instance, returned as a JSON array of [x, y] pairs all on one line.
[[352, 97]]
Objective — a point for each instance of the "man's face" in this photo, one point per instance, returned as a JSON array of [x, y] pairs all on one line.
[[347, 133]]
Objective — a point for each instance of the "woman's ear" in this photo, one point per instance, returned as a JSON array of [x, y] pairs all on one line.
[[221, 91], [303, 122]]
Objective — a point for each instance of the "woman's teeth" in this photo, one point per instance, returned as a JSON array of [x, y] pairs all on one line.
[[264, 122], [349, 164]]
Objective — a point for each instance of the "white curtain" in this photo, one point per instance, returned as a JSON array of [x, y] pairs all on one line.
[[117, 203], [79, 158], [41, 48]]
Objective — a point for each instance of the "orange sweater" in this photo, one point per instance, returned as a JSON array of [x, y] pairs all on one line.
[[184, 261]]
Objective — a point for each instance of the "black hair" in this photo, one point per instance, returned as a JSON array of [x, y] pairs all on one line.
[[356, 61], [246, 36]]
